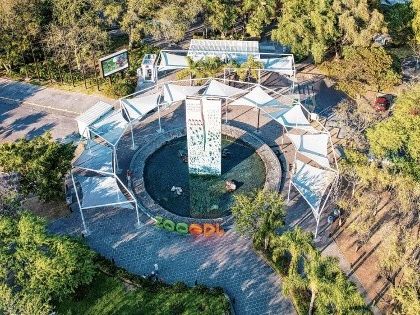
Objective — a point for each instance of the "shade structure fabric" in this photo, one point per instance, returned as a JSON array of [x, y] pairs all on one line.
[[170, 61], [101, 191], [219, 89], [95, 112], [174, 93], [95, 157], [237, 50], [293, 118], [312, 183], [110, 127], [313, 146], [283, 65], [257, 97], [139, 106]]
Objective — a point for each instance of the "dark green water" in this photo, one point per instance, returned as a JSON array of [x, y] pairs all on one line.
[[202, 196]]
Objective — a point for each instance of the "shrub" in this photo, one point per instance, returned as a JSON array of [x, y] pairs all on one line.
[[37, 267], [120, 87], [41, 163]]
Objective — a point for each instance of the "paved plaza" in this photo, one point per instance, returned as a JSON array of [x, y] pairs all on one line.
[[228, 261]]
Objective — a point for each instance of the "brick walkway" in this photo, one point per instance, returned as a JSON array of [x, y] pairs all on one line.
[[227, 261]]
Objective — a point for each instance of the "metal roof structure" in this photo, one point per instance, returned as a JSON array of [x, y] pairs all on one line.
[[310, 181], [100, 191], [95, 112]]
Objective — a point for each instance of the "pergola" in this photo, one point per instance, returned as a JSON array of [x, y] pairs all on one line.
[[227, 50], [95, 190], [314, 171]]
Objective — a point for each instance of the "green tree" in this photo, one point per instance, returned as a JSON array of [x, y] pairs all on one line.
[[137, 15], [358, 21], [21, 23], [308, 26], [41, 162], [259, 14], [296, 243], [416, 20], [361, 69], [249, 69], [399, 19], [398, 136], [221, 15], [37, 268], [259, 216], [312, 27], [207, 67], [331, 291], [77, 30]]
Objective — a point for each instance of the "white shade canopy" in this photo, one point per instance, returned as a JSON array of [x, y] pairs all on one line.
[[312, 183], [238, 50], [313, 146], [216, 88], [175, 93], [257, 97], [170, 61], [283, 65], [293, 118], [110, 127], [95, 112], [138, 107], [95, 157], [101, 191]]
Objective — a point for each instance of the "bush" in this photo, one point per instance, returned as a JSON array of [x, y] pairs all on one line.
[[136, 56], [120, 87], [42, 164], [37, 267]]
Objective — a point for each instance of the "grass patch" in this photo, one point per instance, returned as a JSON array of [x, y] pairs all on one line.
[[128, 294], [108, 295]]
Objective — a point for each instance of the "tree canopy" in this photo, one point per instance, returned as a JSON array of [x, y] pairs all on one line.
[[41, 163], [259, 216], [312, 27], [397, 137], [362, 69], [37, 268]]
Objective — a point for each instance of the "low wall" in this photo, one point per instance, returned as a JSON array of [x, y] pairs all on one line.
[[152, 208]]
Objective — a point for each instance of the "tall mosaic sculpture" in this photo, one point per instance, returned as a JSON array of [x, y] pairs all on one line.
[[204, 128]]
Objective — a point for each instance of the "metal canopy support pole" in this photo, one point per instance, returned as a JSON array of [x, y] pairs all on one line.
[[324, 203], [282, 136], [133, 145], [226, 115], [80, 206], [317, 225], [258, 120], [116, 169], [291, 177], [89, 147], [160, 130], [138, 215]]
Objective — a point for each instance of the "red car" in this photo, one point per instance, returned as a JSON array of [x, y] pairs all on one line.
[[381, 104]]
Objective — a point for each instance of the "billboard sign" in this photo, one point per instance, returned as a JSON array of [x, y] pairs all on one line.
[[204, 129], [116, 62]]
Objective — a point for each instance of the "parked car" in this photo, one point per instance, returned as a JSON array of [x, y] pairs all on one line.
[[381, 104]]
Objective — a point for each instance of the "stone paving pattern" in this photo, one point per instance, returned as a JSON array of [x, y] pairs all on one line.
[[227, 261]]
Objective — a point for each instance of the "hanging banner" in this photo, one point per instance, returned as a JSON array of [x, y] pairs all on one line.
[[204, 128]]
